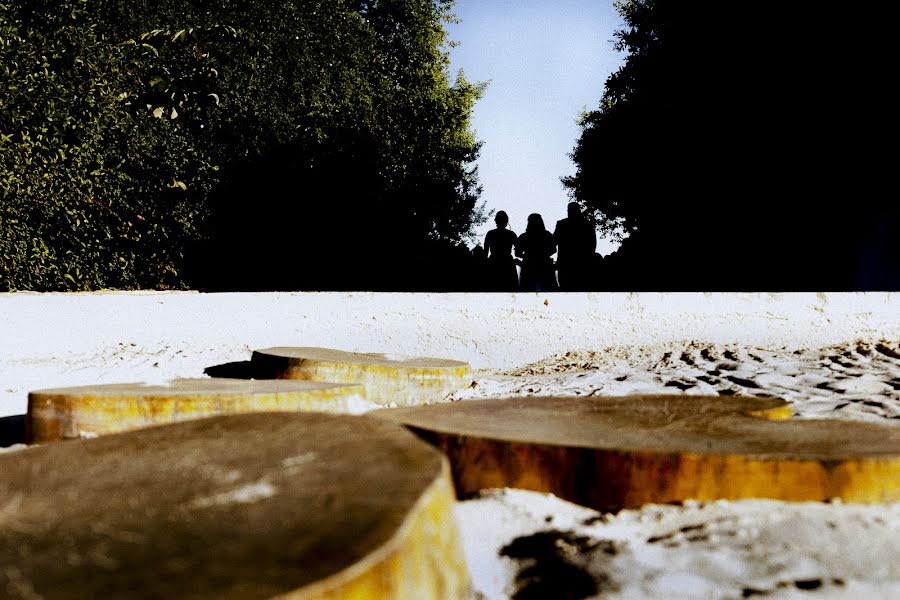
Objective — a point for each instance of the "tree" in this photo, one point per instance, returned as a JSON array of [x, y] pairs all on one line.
[[220, 141], [354, 146], [91, 193], [721, 148]]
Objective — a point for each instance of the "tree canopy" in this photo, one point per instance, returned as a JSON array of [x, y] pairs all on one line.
[[296, 144], [736, 147]]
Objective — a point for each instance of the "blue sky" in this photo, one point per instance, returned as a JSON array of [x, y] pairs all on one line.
[[545, 63]]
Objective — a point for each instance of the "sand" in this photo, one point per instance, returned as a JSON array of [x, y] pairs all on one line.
[[857, 380], [527, 545], [522, 544], [833, 355]]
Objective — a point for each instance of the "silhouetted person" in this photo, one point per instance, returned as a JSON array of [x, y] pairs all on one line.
[[498, 245], [535, 247], [576, 241]]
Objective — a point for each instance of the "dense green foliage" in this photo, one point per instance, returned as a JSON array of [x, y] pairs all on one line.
[[145, 144], [738, 141], [88, 192]]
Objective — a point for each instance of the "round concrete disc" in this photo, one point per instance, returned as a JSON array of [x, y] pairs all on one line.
[[246, 506], [610, 453], [88, 411], [389, 380]]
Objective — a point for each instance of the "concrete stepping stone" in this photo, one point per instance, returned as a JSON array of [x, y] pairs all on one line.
[[299, 505], [389, 380], [88, 411], [610, 453]]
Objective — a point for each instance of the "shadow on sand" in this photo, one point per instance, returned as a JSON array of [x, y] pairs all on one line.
[[241, 369], [12, 430]]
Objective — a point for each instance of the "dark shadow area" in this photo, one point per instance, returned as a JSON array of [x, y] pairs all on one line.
[[547, 569], [12, 431], [241, 369], [312, 219], [745, 149]]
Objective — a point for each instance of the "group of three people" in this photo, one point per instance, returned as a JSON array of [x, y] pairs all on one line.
[[574, 241]]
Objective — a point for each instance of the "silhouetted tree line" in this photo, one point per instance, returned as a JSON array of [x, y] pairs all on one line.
[[312, 144], [741, 146]]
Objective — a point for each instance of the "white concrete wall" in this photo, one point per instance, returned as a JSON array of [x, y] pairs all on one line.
[[49, 340]]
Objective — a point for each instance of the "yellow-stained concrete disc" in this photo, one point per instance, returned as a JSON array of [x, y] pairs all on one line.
[[298, 505], [610, 453], [389, 380], [88, 411]]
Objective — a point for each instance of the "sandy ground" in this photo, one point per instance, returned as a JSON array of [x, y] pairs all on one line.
[[855, 380], [833, 356], [525, 545], [53, 340]]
